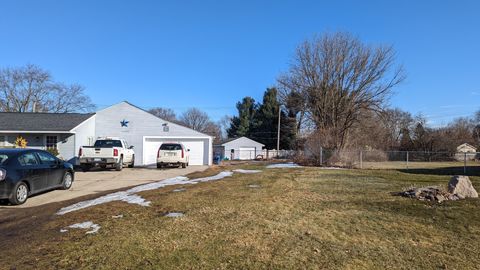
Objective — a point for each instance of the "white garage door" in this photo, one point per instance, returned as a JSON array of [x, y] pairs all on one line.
[[247, 153], [197, 147]]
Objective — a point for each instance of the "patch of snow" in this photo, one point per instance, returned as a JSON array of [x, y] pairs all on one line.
[[130, 195], [254, 186], [86, 225], [219, 176], [283, 165], [175, 214], [179, 190], [331, 168], [63, 230], [247, 171], [118, 216]]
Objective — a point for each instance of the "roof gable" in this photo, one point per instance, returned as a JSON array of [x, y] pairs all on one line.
[[127, 108], [41, 122], [244, 139]]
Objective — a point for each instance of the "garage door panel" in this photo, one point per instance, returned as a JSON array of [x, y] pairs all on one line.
[[197, 153], [247, 153]]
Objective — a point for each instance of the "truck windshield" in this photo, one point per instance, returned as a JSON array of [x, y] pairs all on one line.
[[170, 147], [107, 143]]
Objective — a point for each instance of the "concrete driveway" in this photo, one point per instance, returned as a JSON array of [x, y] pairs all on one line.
[[96, 181]]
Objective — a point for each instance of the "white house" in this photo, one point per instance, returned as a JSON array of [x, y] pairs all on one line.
[[241, 148], [68, 132], [467, 151]]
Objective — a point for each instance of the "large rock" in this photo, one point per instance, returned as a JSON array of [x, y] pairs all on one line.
[[462, 187]]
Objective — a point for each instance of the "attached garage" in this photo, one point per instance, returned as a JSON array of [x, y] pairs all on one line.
[[199, 148], [146, 132]]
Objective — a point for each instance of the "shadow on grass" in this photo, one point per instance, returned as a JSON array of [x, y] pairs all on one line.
[[470, 171]]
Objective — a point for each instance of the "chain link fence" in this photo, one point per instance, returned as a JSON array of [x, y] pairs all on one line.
[[450, 162]]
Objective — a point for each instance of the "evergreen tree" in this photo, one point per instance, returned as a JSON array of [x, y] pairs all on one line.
[[241, 125], [266, 123]]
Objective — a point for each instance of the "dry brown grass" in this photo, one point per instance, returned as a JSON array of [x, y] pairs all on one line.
[[299, 218]]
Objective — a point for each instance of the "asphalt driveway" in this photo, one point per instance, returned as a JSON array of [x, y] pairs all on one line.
[[97, 181]]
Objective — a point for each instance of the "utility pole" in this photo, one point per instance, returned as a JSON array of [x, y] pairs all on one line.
[[278, 131]]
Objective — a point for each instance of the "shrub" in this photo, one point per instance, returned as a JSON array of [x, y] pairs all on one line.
[[53, 151]]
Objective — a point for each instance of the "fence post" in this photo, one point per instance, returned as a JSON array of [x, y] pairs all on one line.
[[407, 160], [465, 163], [361, 159], [321, 156]]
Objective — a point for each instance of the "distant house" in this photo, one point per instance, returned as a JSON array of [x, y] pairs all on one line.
[[241, 148], [466, 150]]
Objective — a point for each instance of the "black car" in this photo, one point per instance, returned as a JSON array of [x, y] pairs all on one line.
[[24, 172]]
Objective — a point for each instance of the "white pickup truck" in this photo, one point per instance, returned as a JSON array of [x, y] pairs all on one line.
[[107, 152]]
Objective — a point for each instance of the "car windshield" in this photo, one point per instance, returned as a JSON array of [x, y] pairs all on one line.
[[3, 158], [171, 146], [107, 143]]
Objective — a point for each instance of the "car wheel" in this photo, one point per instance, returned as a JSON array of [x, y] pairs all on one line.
[[119, 165], [184, 165], [67, 181], [19, 194], [133, 162], [159, 166]]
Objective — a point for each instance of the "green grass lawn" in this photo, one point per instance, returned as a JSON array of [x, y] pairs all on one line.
[[305, 218]]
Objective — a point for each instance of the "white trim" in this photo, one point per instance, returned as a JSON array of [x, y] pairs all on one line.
[[181, 137], [223, 144], [34, 131], [86, 120], [208, 138]]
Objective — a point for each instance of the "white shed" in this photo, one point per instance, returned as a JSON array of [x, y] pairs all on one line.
[[242, 148]]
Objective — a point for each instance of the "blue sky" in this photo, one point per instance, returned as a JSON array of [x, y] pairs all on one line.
[[210, 54]]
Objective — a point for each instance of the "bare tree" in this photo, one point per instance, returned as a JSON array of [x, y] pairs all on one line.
[[200, 121], [337, 76], [164, 113], [32, 89], [195, 119]]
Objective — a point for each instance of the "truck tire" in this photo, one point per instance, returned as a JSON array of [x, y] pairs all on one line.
[[184, 165], [119, 165], [132, 164]]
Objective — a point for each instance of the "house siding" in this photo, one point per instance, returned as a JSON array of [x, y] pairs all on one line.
[[242, 142], [140, 124]]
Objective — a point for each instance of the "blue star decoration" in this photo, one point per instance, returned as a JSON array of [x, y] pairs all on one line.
[[124, 123]]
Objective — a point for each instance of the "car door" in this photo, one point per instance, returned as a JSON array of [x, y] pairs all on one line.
[[33, 172], [53, 166]]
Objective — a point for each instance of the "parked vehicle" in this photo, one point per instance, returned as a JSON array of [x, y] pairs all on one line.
[[173, 154], [24, 172], [107, 152]]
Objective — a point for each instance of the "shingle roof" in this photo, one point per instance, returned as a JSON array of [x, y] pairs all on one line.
[[11, 121]]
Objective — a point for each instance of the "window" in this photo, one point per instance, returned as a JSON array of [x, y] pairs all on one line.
[[46, 158], [52, 142], [3, 158], [107, 143], [27, 159], [170, 147]]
